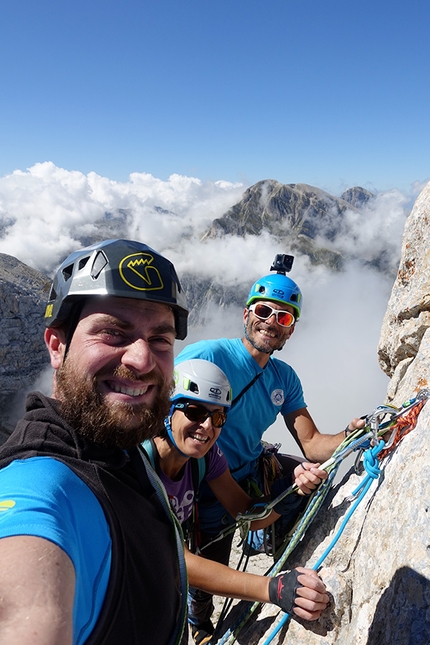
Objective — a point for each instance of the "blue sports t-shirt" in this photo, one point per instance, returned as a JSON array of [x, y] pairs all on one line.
[[277, 391], [42, 497]]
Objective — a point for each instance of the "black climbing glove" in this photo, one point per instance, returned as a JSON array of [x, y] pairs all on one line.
[[291, 502], [282, 590]]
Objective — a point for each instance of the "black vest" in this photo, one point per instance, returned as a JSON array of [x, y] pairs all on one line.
[[143, 603]]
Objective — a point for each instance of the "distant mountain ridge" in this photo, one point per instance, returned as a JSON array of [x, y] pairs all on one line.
[[298, 213]]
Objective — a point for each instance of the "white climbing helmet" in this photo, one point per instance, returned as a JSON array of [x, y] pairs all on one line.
[[202, 381]]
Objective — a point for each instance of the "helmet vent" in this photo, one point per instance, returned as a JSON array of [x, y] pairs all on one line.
[[99, 264], [262, 289], [194, 387], [52, 294], [67, 272], [82, 263]]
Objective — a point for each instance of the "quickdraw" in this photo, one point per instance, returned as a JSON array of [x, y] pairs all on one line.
[[400, 422], [405, 422]]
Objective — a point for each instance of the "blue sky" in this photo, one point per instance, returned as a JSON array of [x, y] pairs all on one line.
[[332, 93]]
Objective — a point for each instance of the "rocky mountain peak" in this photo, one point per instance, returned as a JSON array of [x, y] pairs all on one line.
[[300, 215], [357, 196]]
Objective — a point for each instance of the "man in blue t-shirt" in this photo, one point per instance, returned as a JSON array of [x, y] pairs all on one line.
[[263, 387], [91, 552]]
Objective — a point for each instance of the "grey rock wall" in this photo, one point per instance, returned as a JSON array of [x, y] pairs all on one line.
[[23, 292], [408, 314]]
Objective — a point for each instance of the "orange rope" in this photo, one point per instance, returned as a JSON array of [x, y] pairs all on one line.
[[402, 427]]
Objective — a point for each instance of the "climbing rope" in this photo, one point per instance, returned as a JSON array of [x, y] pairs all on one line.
[[400, 422], [314, 504], [373, 471]]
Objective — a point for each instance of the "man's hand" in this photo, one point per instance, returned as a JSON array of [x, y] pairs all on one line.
[[354, 425], [300, 591], [308, 476]]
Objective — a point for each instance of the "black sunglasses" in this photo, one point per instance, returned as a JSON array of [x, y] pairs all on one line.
[[199, 414]]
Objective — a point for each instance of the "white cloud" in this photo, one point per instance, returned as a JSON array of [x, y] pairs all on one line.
[[45, 209]]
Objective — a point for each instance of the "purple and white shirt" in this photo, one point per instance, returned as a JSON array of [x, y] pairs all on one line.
[[181, 493]]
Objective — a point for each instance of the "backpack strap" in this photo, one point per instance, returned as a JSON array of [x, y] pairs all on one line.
[[151, 452], [199, 468], [245, 389]]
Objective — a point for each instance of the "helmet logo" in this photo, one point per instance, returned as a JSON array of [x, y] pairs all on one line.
[[215, 393], [138, 272], [279, 292]]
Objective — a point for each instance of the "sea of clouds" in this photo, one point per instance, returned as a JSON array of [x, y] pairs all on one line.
[[46, 211]]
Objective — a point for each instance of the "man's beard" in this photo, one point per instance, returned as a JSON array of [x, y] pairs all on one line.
[[119, 425], [250, 335]]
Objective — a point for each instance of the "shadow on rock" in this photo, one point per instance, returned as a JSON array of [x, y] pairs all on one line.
[[402, 616]]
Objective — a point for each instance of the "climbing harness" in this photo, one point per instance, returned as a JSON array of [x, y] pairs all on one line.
[[368, 440]]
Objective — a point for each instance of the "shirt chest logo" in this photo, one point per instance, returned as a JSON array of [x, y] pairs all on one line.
[[277, 397]]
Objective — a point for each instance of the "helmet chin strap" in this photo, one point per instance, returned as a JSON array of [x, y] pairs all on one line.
[[167, 423]]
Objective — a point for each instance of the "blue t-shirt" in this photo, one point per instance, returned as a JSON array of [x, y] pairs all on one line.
[[181, 493], [277, 391], [42, 497]]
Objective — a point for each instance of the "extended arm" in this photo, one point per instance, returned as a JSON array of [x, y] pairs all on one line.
[[306, 476], [316, 447], [308, 594], [37, 582], [235, 500]]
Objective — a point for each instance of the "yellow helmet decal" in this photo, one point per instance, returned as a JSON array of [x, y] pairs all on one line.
[[138, 272]]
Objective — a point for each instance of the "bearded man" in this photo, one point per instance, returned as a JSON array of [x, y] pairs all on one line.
[[263, 387], [90, 550]]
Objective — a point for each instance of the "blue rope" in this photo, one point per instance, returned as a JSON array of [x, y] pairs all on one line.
[[373, 471]]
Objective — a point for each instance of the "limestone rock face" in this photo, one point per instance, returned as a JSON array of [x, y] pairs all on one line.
[[378, 573], [408, 313], [23, 292]]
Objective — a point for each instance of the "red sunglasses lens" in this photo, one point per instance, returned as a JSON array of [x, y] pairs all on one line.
[[263, 311], [285, 318], [218, 419]]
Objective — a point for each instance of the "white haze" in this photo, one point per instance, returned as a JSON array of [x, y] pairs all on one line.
[[334, 348]]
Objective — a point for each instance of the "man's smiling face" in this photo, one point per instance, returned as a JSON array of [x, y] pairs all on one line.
[[115, 381], [266, 336]]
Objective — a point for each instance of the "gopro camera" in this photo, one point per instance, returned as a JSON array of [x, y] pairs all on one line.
[[282, 263]]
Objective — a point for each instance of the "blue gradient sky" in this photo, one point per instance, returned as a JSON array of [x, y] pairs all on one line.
[[332, 93]]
